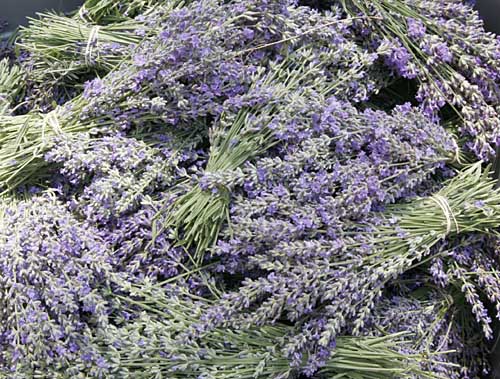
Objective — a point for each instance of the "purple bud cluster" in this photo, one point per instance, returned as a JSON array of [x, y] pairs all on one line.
[[119, 184], [54, 270]]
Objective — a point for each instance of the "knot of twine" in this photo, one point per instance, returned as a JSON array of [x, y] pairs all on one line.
[[443, 203], [50, 126], [93, 36], [83, 13], [456, 157]]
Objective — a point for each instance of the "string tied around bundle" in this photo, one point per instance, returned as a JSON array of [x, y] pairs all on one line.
[[451, 220], [91, 43]]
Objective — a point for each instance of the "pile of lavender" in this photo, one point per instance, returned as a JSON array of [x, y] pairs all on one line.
[[250, 189]]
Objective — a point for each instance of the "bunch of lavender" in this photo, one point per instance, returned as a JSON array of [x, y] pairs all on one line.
[[53, 272], [444, 46], [118, 184], [300, 268], [109, 177], [169, 67], [283, 95], [149, 345], [59, 50], [24, 139], [321, 178]]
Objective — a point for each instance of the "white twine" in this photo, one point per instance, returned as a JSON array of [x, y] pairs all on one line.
[[94, 34], [447, 211], [83, 14], [50, 122], [456, 158]]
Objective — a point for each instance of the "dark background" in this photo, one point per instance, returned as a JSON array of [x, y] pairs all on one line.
[[490, 13], [489, 10], [16, 11]]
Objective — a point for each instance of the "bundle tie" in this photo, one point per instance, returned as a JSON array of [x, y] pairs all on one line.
[[83, 12], [94, 34], [50, 122], [456, 157], [447, 211]]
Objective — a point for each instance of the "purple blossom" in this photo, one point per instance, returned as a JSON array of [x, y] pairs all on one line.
[[416, 28], [60, 264]]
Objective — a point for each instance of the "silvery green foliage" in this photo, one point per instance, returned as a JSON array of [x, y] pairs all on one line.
[[53, 273]]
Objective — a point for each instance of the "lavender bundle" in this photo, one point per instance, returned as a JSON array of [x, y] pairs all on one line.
[[443, 46], [237, 353], [117, 184], [200, 213], [337, 281], [59, 53], [252, 124], [59, 46], [24, 140], [53, 273]]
